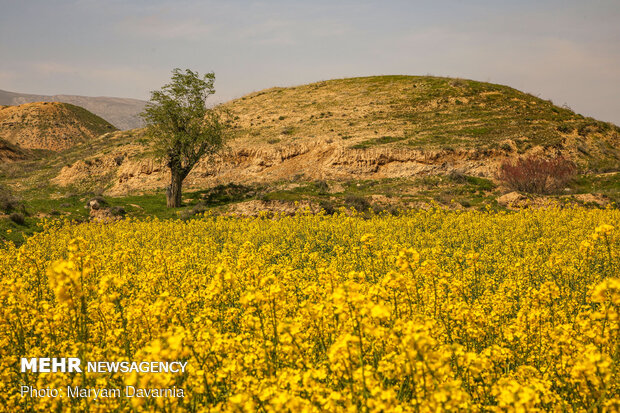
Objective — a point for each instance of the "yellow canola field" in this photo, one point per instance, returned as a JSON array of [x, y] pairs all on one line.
[[426, 311]]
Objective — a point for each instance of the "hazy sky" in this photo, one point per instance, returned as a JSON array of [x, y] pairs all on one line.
[[568, 51]]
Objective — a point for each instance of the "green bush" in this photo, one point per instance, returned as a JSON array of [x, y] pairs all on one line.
[[18, 218], [359, 203], [8, 202]]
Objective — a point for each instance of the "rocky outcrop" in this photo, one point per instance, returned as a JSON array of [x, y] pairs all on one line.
[[513, 199]]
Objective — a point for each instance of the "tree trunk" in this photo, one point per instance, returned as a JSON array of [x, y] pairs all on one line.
[[173, 192]]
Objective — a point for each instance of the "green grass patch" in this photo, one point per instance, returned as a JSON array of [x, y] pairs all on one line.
[[607, 184], [383, 140]]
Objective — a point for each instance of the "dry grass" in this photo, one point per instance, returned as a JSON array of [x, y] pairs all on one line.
[[323, 110], [49, 125], [421, 112]]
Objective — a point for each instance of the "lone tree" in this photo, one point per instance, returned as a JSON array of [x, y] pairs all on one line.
[[183, 129]]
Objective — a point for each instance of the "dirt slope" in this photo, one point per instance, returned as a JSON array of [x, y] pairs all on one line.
[[49, 125], [10, 153]]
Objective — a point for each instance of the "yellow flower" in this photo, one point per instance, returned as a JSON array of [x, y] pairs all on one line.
[[604, 229], [448, 311]]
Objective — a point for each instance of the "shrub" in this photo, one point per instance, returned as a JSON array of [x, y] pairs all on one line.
[[385, 209], [199, 208], [327, 206], [118, 211], [8, 202], [224, 194], [457, 177], [96, 202], [537, 175], [506, 147], [359, 203], [458, 83], [18, 218], [322, 187]]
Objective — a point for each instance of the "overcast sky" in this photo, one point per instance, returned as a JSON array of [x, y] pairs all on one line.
[[567, 51]]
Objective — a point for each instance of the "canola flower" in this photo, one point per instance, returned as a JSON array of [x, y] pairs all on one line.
[[425, 311]]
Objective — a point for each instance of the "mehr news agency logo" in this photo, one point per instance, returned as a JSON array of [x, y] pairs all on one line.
[[74, 365]]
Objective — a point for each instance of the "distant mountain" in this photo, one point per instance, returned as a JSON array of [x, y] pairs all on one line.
[[52, 126], [120, 112]]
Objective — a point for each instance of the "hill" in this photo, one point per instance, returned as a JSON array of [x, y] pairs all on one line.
[[375, 128], [51, 126], [120, 112], [385, 141], [426, 114]]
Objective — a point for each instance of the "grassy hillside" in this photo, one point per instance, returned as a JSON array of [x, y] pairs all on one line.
[[49, 125], [383, 143], [424, 112]]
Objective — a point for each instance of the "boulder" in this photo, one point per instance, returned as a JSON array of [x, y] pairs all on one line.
[[513, 199]]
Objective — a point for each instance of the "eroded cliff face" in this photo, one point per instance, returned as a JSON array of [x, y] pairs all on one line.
[[126, 172]]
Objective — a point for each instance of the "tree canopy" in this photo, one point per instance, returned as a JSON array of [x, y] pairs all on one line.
[[183, 128]]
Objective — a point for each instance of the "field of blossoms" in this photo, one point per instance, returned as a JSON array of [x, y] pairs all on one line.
[[425, 311]]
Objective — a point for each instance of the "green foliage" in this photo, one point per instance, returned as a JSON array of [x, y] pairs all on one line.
[[8, 202], [378, 141], [182, 127], [225, 194], [18, 218], [179, 122], [358, 203]]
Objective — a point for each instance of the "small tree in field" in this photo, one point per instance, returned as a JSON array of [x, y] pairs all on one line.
[[183, 128]]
